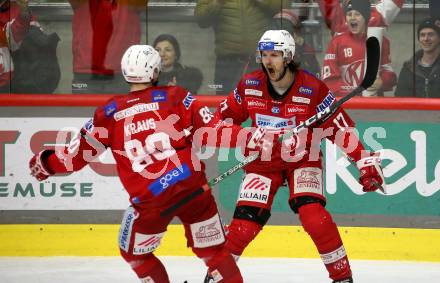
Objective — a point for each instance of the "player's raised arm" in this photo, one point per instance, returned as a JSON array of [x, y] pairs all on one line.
[[146, 131]]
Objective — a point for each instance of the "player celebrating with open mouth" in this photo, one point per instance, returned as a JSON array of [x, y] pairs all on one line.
[[277, 99]]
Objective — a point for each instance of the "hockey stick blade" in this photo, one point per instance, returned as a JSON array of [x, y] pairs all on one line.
[[373, 55]]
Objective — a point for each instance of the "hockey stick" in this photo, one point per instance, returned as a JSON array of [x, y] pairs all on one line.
[[373, 55]]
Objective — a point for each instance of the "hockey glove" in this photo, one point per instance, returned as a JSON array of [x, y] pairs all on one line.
[[36, 164], [371, 176]]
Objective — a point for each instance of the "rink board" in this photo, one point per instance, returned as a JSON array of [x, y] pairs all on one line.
[[413, 199], [274, 241]]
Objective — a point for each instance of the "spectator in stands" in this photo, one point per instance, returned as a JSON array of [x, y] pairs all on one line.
[[344, 62], [237, 26], [382, 14], [14, 27], [288, 20], [173, 72], [10, 10], [423, 78], [35, 62], [102, 30]]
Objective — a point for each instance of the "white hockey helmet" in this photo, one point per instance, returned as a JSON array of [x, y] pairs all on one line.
[[140, 64], [280, 40]]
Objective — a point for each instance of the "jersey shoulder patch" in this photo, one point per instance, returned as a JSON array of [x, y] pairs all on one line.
[[254, 79], [110, 108]]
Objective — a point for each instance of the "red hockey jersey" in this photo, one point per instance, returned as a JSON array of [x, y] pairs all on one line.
[[344, 64], [307, 96], [150, 133]]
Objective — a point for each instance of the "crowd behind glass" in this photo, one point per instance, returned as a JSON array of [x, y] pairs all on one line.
[[75, 46]]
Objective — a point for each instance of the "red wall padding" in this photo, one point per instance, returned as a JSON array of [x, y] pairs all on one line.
[[69, 100]]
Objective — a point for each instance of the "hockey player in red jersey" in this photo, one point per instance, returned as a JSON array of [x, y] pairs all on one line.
[[277, 98], [344, 63], [149, 132]]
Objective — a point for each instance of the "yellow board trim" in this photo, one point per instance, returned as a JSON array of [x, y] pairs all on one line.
[[274, 241]]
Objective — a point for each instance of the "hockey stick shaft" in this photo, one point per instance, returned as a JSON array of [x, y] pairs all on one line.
[[211, 183], [306, 124], [373, 55]]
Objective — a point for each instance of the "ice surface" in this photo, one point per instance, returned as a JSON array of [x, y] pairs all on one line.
[[254, 270]]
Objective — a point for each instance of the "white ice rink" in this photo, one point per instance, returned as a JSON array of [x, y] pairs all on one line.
[[255, 270]]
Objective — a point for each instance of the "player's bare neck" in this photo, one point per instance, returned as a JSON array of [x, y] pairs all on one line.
[[280, 90], [137, 87], [285, 82]]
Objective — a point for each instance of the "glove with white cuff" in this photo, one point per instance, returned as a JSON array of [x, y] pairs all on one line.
[[370, 174], [36, 164]]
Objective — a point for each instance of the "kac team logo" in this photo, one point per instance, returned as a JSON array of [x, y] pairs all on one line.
[[275, 110], [354, 73]]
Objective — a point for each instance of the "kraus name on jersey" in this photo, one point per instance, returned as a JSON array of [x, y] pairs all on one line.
[[139, 126], [274, 123]]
